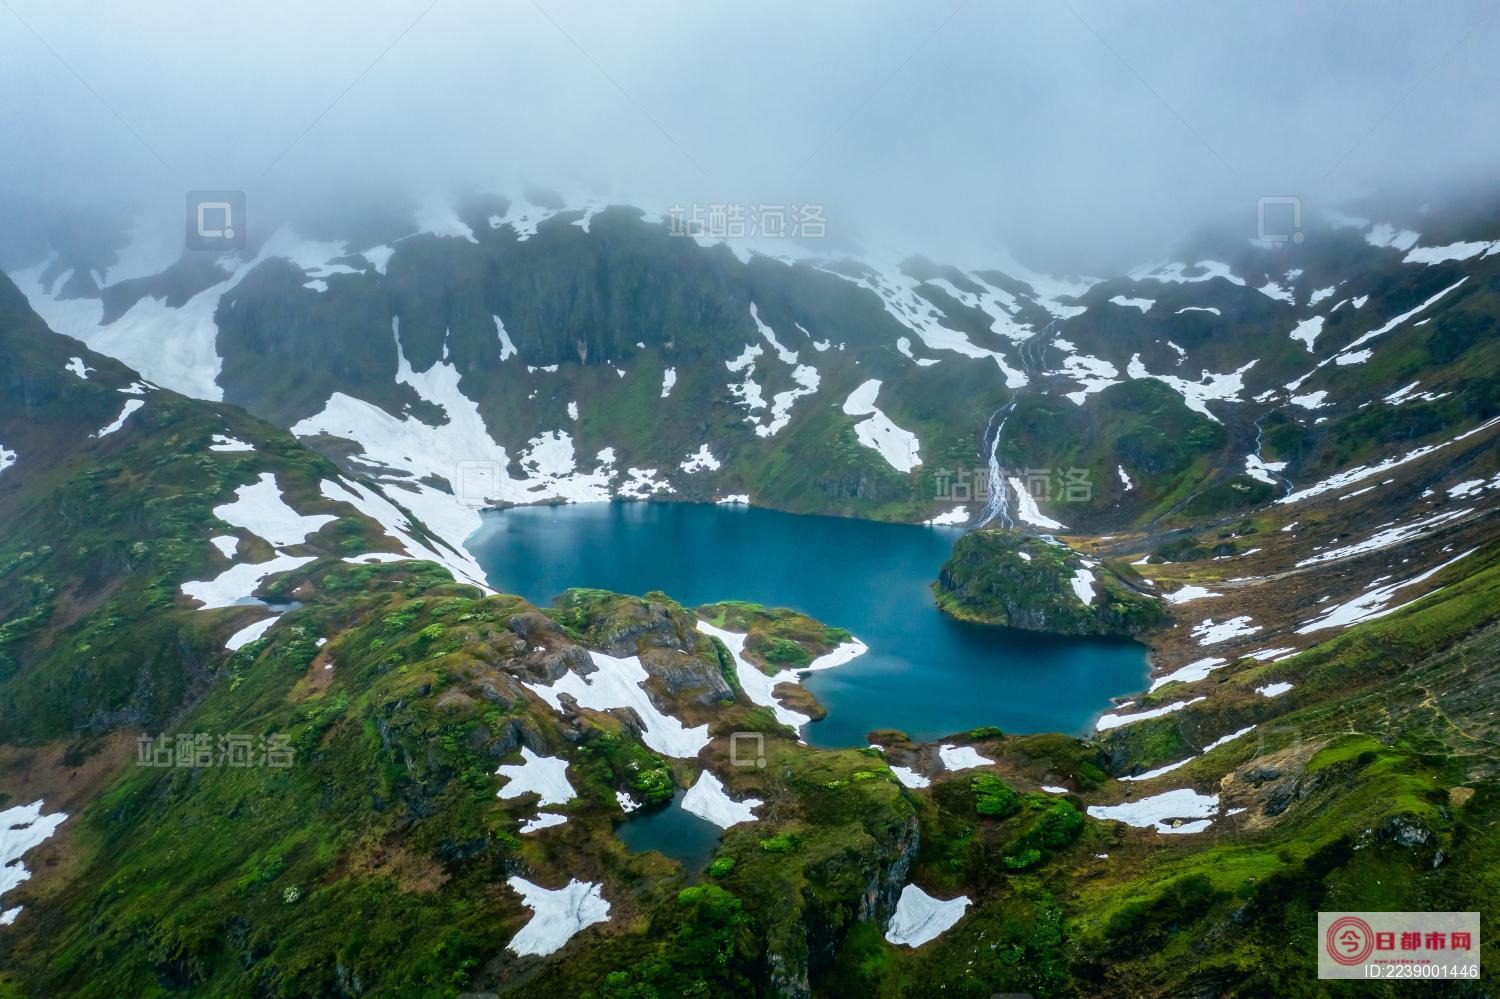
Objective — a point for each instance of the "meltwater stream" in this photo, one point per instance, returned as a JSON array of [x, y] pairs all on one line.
[[925, 673], [997, 507]]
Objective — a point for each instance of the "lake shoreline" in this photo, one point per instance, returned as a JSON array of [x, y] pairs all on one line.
[[925, 673]]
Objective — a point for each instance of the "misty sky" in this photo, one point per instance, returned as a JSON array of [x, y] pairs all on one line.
[[1081, 133]]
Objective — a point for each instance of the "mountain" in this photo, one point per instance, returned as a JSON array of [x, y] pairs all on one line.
[[235, 493]]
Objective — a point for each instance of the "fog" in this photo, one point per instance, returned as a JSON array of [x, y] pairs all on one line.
[[1082, 135]]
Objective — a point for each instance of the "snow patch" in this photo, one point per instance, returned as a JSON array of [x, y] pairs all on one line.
[[1374, 603], [1359, 474], [920, 918], [1307, 331], [1209, 633], [1396, 321], [641, 483], [760, 688], [1408, 393], [1026, 509], [909, 777], [507, 348], [899, 293], [787, 356], [1083, 585], [250, 633], [543, 820], [1180, 811], [236, 584], [708, 800], [1261, 470], [22, 828], [1191, 673], [1197, 394], [1385, 235], [223, 442], [1391, 535], [1190, 592], [1159, 771], [618, 683], [1453, 251], [1112, 720], [898, 447], [546, 776], [1176, 273], [1312, 400], [1093, 374], [389, 516], [559, 914], [131, 405], [379, 257], [702, 460], [1275, 291], [961, 757], [957, 517], [260, 509]]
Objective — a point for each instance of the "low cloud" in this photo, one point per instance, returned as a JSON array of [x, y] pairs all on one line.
[[1083, 135]]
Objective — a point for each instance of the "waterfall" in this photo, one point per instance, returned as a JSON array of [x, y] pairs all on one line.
[[1032, 352], [999, 502]]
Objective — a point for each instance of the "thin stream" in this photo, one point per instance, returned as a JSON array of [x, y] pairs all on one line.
[[998, 506], [999, 501]]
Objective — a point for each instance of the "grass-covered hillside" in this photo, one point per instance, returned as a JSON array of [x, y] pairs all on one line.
[[381, 779], [1038, 584]]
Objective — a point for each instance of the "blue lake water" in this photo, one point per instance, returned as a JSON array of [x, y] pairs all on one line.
[[679, 834], [925, 673]]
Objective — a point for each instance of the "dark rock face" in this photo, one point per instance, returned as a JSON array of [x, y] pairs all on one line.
[[1407, 831], [683, 675], [996, 577], [853, 887]]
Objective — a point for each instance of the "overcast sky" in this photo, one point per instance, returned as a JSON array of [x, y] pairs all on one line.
[[1079, 132]]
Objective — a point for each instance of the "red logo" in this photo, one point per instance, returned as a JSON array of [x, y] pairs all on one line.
[[1350, 940]]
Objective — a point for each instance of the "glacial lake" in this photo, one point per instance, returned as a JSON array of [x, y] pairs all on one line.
[[924, 673], [674, 832]]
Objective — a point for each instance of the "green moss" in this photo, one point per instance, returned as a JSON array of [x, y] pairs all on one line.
[[1029, 857], [996, 577], [993, 797], [780, 843]]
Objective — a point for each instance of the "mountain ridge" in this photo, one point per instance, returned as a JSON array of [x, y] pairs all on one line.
[[1315, 733]]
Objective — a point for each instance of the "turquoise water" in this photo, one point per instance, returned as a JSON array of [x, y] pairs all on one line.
[[925, 673]]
